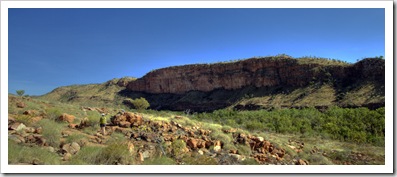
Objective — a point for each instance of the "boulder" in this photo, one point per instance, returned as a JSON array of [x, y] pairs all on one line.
[[39, 130], [30, 130], [71, 148], [66, 118], [217, 148], [258, 139], [192, 143], [134, 119], [17, 126], [21, 105], [125, 124], [201, 144], [67, 156], [74, 126], [301, 162], [281, 153], [36, 139]]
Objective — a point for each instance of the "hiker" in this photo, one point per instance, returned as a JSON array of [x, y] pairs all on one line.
[[102, 124]]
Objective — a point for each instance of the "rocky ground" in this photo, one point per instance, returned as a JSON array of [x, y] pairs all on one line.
[[145, 138]]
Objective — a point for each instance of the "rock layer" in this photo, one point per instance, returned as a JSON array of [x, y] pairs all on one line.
[[258, 72]]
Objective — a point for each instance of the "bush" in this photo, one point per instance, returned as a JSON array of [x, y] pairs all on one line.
[[115, 153], [51, 131], [53, 113], [243, 149], [138, 103], [88, 155], [178, 148]]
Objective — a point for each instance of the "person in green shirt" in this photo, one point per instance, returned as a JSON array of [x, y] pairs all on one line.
[[102, 124]]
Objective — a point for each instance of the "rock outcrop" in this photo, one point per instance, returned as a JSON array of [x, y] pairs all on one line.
[[258, 72], [206, 87]]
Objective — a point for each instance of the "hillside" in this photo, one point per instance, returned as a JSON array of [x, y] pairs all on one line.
[[256, 83], [52, 133]]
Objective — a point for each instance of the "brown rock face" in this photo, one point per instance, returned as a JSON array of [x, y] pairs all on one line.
[[262, 72]]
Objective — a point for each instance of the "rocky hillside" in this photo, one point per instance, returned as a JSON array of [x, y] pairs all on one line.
[[256, 83], [42, 133]]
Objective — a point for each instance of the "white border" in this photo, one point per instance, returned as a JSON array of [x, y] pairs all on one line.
[[387, 168]]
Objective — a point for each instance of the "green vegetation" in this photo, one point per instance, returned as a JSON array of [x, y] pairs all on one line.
[[26, 154], [359, 125], [51, 131], [138, 103], [20, 92]]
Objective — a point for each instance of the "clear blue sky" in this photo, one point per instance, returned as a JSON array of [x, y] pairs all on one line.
[[49, 48]]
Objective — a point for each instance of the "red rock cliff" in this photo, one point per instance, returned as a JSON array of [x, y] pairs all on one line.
[[260, 72]]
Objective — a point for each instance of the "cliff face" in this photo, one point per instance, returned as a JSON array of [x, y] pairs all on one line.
[[265, 72]]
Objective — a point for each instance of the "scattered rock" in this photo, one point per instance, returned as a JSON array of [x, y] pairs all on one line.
[[66, 118], [21, 105], [39, 130], [217, 148], [74, 126], [200, 152], [67, 156], [17, 126], [71, 148], [30, 112], [125, 124], [29, 129], [192, 143], [301, 162]]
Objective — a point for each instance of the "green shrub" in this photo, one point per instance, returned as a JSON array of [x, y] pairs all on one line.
[[88, 155], [53, 113], [177, 148], [138, 103], [243, 149], [51, 131], [114, 153], [75, 138]]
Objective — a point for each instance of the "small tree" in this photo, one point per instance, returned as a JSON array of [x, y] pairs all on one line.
[[20, 92], [138, 103]]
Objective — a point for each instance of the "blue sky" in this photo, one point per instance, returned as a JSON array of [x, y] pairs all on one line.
[[49, 48]]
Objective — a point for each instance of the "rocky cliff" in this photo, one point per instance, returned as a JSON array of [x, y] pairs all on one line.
[[260, 83], [258, 72]]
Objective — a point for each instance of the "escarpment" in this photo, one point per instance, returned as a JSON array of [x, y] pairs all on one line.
[[258, 72]]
